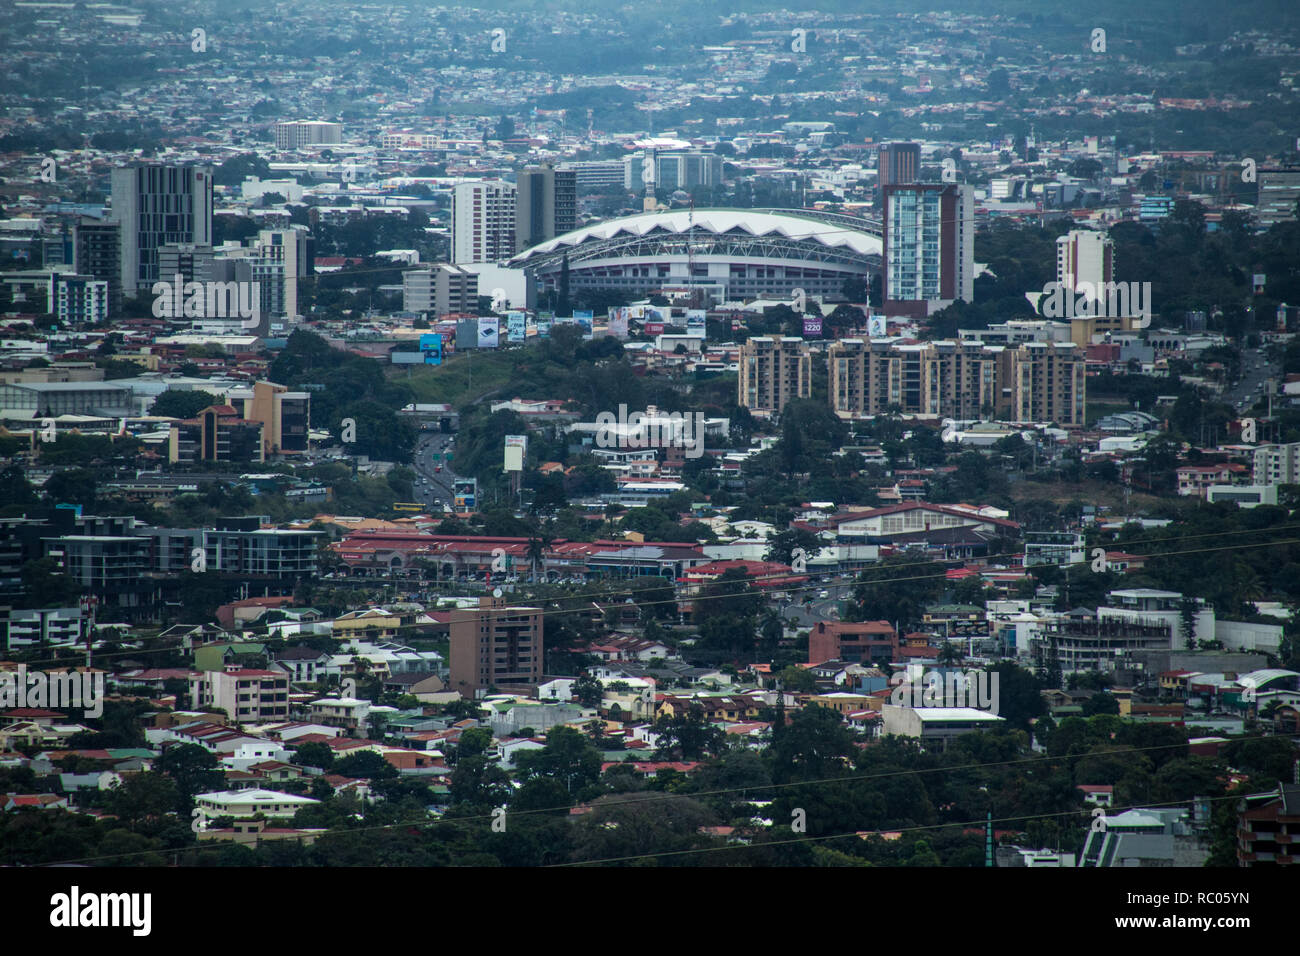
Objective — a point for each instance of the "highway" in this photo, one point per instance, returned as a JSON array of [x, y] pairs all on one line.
[[434, 477], [1256, 372]]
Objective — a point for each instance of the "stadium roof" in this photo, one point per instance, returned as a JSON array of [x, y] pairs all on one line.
[[743, 223]]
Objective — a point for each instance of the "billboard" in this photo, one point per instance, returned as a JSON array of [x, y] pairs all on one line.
[[516, 326], [516, 449], [876, 327], [467, 334], [489, 332], [585, 321], [465, 493], [618, 320], [812, 326], [654, 328], [431, 346], [696, 322], [544, 322]]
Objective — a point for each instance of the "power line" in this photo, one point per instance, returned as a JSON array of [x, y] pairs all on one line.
[[746, 582], [824, 781]]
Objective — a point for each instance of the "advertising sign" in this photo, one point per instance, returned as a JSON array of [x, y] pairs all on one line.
[[489, 332], [431, 346]]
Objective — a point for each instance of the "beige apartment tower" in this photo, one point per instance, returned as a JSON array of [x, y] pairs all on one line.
[[495, 646], [773, 370]]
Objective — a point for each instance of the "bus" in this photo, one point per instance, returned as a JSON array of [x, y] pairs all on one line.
[[408, 506]]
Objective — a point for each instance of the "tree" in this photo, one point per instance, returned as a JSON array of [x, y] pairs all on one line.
[[588, 690], [631, 824], [689, 736], [568, 757], [194, 769], [314, 754], [181, 403]]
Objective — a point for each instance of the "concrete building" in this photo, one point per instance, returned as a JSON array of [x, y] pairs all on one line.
[[929, 247], [546, 205], [595, 175], [1083, 255], [246, 695], [495, 645], [773, 371], [935, 725], [97, 252], [296, 134], [857, 643], [1279, 191], [242, 546], [157, 204], [78, 299], [898, 164], [439, 289], [482, 221], [1276, 464], [284, 415], [52, 399]]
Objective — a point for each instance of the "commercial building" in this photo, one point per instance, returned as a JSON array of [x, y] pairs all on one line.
[[1279, 191], [546, 205], [299, 133], [440, 289], [858, 643], [774, 370], [495, 646], [217, 433], [51, 399], [595, 175], [673, 170], [929, 239], [482, 221], [242, 546], [155, 205], [284, 415], [1268, 828], [898, 164]]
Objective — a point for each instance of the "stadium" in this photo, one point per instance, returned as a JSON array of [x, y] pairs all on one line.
[[729, 253]]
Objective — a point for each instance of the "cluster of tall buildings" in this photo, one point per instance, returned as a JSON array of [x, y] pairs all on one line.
[[158, 227], [492, 219]]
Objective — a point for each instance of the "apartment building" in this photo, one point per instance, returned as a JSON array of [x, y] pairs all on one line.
[[482, 221], [1083, 255], [296, 134], [242, 546], [929, 247], [898, 164], [284, 415], [97, 252], [218, 433], [440, 289], [1276, 464], [78, 299], [774, 370], [1042, 382], [865, 642], [246, 695], [495, 646], [1035, 381]]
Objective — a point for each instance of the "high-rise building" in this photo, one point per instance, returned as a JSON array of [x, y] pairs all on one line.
[[546, 205], [193, 263], [1279, 191], [898, 164], [495, 646], [482, 221], [439, 289], [1084, 255], [283, 257], [1035, 382], [595, 174], [298, 133], [158, 204], [774, 370], [1042, 382], [929, 246], [97, 252], [674, 170]]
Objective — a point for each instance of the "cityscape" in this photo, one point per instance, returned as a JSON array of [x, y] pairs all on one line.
[[673, 435]]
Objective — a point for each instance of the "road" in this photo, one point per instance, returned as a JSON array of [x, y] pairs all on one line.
[[821, 608], [1255, 373], [433, 486]]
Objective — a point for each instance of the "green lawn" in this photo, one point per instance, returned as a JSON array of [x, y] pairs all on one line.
[[461, 379]]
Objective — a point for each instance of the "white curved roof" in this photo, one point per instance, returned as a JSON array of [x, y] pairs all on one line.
[[719, 221]]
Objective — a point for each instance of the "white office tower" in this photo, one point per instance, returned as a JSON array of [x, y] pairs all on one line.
[[1083, 255], [483, 221], [158, 205]]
